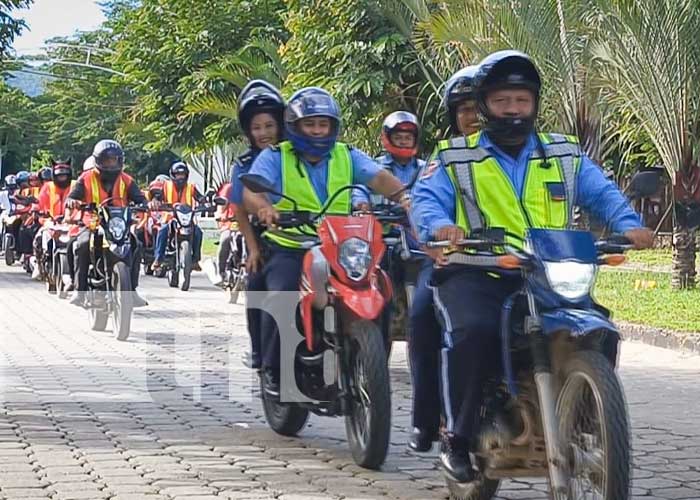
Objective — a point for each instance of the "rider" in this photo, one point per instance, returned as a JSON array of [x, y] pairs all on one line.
[[178, 190], [30, 224], [507, 177], [106, 180], [260, 115], [424, 345], [223, 215], [308, 167], [52, 199], [45, 176], [6, 193]]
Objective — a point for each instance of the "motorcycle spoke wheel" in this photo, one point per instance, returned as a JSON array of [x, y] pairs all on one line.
[[594, 430]]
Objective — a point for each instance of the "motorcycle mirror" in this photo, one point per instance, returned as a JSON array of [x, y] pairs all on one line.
[[644, 183], [220, 200]]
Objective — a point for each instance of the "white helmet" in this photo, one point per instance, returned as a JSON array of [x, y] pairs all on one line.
[[89, 163]]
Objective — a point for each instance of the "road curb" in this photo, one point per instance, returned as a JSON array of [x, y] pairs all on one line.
[[659, 337]]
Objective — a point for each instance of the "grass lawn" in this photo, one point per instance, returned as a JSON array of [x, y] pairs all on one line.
[[659, 306], [209, 248], [655, 257]]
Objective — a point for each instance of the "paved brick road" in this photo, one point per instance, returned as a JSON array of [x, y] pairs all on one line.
[[170, 413]]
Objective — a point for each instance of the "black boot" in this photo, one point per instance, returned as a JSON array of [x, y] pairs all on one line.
[[421, 440], [454, 457]]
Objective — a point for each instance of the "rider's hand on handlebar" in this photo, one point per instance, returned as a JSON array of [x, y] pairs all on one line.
[[451, 233], [154, 204], [437, 254], [72, 203], [268, 215], [641, 238], [362, 207]]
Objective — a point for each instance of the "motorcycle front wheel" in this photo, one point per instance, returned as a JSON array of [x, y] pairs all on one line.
[[368, 424], [61, 268], [594, 429], [9, 250], [185, 265], [122, 300]]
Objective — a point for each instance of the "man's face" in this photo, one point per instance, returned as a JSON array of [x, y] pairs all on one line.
[[467, 120], [62, 179], [110, 163], [180, 176], [511, 103], [403, 139], [316, 127]]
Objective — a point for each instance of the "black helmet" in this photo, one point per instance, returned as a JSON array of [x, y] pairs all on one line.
[[506, 69], [179, 167], [105, 149], [459, 88], [257, 97], [60, 169], [46, 174]]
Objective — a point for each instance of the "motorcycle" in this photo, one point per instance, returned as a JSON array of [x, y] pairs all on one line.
[[178, 254], [235, 273], [54, 258], [109, 274], [559, 410], [151, 226], [340, 369]]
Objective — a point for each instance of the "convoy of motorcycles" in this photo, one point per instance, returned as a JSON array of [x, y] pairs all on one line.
[[557, 412]]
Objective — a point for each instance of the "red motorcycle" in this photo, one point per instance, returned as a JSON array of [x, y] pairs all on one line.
[[340, 368]]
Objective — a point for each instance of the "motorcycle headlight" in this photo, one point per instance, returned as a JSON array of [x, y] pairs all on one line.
[[571, 280], [64, 238], [185, 218], [117, 228], [355, 258]]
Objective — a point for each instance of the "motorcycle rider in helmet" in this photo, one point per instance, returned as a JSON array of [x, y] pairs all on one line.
[[458, 197], [260, 116], [106, 180], [178, 190], [306, 167]]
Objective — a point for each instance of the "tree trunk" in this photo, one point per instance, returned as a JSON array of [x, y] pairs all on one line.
[[684, 248]]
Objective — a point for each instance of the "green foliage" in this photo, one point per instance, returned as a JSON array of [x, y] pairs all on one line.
[[9, 26], [20, 132], [349, 49]]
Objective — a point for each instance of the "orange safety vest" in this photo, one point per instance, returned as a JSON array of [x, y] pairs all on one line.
[[57, 200], [95, 193], [172, 196], [224, 212]]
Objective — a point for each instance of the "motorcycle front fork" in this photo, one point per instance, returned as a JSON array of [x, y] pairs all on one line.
[[547, 394]]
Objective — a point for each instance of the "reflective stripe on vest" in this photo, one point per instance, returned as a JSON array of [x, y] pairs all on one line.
[[297, 185], [172, 196], [96, 194], [487, 196]]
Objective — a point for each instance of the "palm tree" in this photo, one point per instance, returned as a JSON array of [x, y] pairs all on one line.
[[649, 59]]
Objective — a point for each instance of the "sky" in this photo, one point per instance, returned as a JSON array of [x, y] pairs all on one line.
[[48, 18]]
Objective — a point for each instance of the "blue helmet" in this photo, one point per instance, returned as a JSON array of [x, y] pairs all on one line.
[[459, 88], [22, 177], [305, 103]]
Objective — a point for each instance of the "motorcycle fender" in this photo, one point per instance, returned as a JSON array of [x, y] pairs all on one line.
[[365, 303], [121, 252], [576, 321]]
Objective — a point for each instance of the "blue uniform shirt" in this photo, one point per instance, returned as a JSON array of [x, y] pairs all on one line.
[[434, 195], [269, 165], [241, 166], [404, 173]]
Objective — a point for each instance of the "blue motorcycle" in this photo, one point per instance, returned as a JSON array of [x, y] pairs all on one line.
[[557, 409]]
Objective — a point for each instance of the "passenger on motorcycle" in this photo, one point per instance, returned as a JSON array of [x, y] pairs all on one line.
[[30, 222], [223, 215], [309, 167], [178, 190], [424, 341], [52, 199], [145, 225], [260, 115], [106, 180], [507, 176]]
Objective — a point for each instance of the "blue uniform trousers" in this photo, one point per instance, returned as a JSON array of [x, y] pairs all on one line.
[[424, 353], [162, 243], [468, 304]]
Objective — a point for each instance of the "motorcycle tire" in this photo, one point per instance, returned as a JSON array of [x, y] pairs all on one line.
[[368, 424], [49, 278], [61, 265], [236, 289], [173, 277], [122, 304], [160, 272], [286, 419], [185, 267], [147, 270], [591, 384], [98, 319], [9, 254]]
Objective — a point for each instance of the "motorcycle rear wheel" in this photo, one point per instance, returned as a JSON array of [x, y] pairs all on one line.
[[368, 424], [9, 250], [98, 319], [285, 419], [594, 428], [61, 266]]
